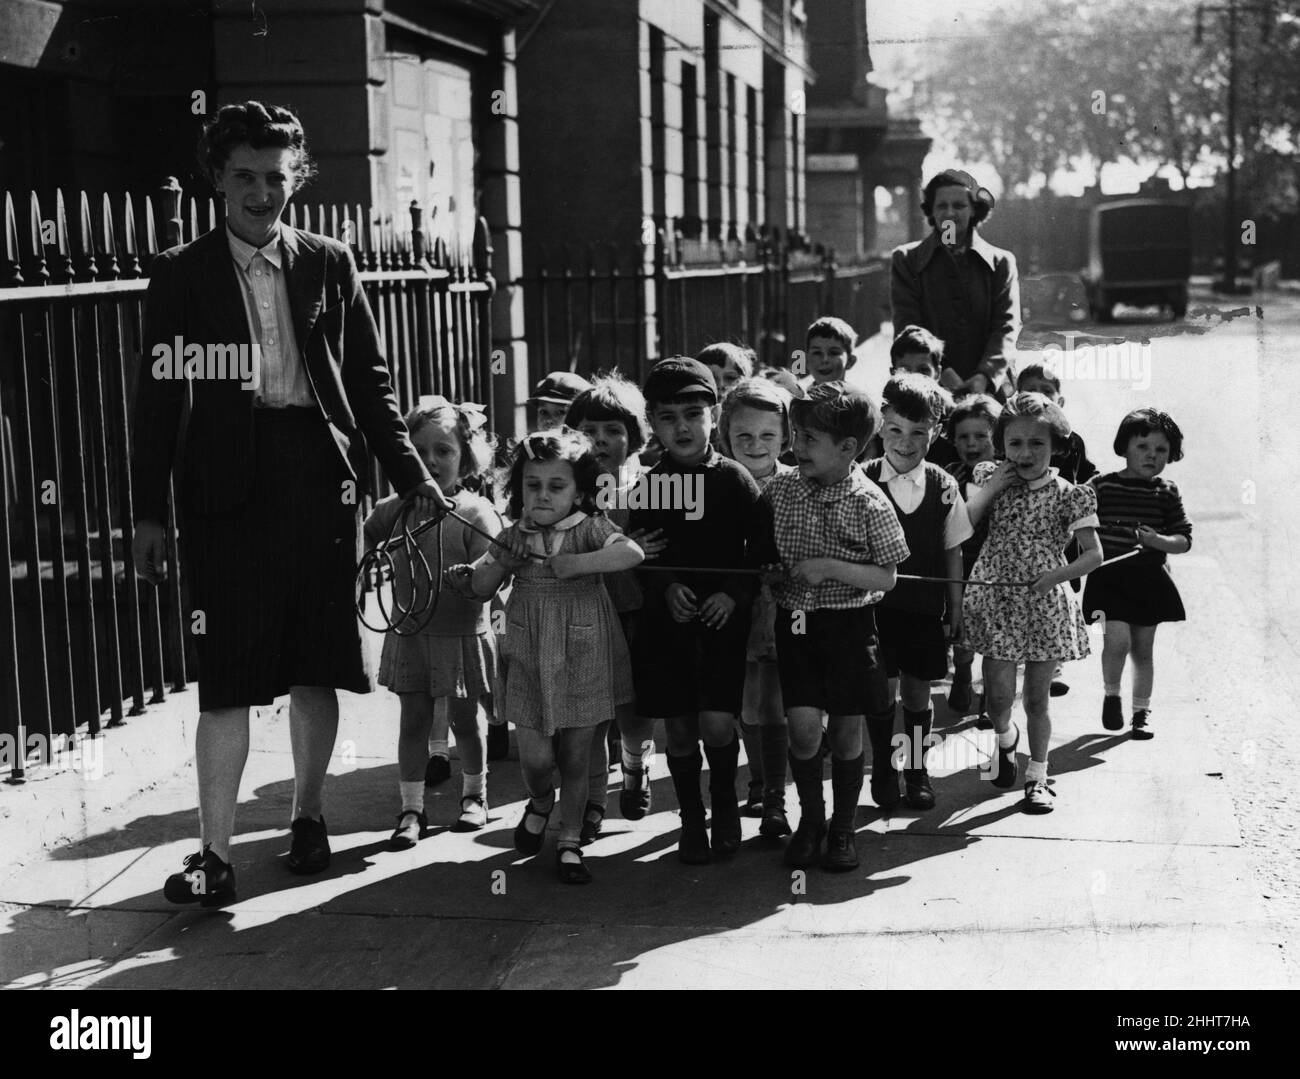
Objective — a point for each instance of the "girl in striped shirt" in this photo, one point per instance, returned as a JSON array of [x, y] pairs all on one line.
[[1134, 596]]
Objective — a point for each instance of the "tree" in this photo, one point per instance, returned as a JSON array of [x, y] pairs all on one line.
[[1044, 84]]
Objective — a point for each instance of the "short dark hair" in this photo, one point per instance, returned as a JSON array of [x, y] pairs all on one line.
[[1033, 406], [835, 328], [255, 124], [975, 406], [1145, 421], [981, 199], [560, 444], [839, 410], [1039, 371], [917, 339], [612, 398], [916, 398]]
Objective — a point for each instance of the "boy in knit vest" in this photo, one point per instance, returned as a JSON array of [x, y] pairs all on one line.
[[914, 626]]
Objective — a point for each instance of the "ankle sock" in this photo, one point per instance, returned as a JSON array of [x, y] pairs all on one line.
[[846, 788], [636, 756], [1036, 772], [1007, 738], [1141, 704], [438, 748], [776, 747], [473, 786], [1111, 689], [412, 795]]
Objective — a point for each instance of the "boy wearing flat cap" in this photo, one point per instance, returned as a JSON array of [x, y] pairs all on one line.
[[551, 399], [688, 652]]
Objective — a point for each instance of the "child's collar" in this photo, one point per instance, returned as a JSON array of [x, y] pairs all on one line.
[[574, 519], [1042, 481]]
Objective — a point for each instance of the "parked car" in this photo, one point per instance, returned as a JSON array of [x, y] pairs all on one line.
[[1139, 253]]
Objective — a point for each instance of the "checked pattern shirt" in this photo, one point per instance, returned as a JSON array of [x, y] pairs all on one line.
[[851, 520]]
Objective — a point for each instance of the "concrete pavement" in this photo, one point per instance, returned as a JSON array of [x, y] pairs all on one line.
[[1139, 879]]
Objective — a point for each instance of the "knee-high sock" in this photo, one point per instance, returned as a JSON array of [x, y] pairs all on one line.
[[808, 782], [723, 763], [846, 787], [776, 747], [917, 725], [686, 781], [880, 732]]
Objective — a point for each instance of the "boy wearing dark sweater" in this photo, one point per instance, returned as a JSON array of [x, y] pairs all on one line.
[[688, 648]]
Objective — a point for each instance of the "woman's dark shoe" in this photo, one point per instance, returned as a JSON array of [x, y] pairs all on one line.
[[310, 850], [804, 849], [841, 851], [1004, 764], [1142, 725], [634, 798], [592, 818], [754, 799], [572, 870], [498, 747], [1112, 714], [1057, 689], [527, 842], [438, 770], [411, 826], [205, 880], [920, 795], [693, 846], [775, 824]]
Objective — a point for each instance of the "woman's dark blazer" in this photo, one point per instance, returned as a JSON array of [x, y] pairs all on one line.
[[194, 294]]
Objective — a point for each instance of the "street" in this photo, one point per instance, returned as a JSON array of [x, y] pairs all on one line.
[[1169, 863]]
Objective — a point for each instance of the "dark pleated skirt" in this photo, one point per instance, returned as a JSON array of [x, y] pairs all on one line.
[[274, 579], [1135, 592]]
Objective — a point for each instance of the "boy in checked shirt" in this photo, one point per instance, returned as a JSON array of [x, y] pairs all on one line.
[[838, 540]]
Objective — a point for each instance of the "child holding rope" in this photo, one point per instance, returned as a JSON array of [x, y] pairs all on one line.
[[454, 655], [564, 661], [1136, 505], [1029, 615]]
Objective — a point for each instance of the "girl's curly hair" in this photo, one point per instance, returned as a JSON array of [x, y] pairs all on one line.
[[559, 444]]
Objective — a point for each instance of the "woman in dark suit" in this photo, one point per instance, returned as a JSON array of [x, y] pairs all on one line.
[[960, 287], [271, 469]]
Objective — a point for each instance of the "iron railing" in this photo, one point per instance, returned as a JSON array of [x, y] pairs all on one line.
[[602, 308], [82, 642]]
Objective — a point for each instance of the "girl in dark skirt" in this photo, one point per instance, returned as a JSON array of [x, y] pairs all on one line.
[[1134, 596]]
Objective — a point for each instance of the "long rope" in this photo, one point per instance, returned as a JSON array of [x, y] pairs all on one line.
[[901, 576], [416, 615]]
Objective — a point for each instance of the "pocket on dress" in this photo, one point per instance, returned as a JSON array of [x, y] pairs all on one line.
[[584, 672]]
